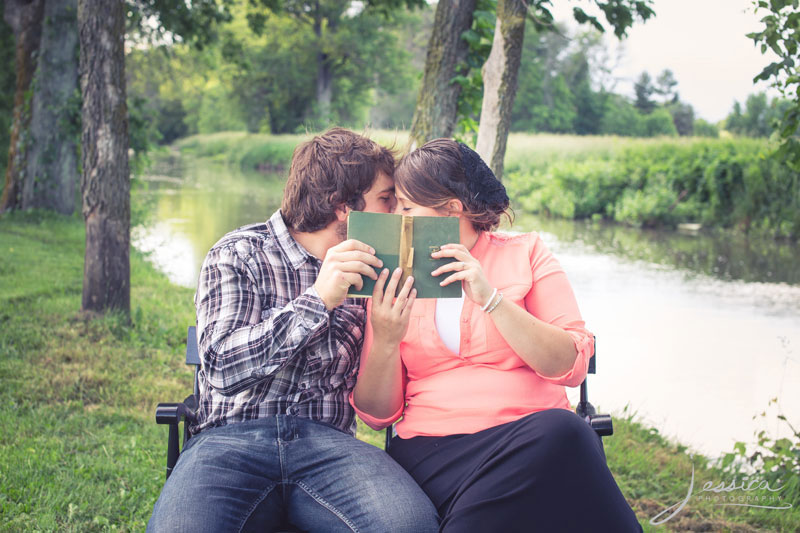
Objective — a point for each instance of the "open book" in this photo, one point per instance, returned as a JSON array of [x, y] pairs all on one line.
[[407, 242]]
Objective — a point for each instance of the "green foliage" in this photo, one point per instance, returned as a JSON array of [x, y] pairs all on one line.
[[159, 21], [544, 99], [682, 118], [658, 123], [781, 35], [777, 459], [620, 117], [644, 91], [266, 82], [479, 38], [759, 118], [705, 129], [719, 183]]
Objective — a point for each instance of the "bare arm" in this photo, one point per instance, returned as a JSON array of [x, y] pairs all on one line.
[[547, 349], [379, 389]]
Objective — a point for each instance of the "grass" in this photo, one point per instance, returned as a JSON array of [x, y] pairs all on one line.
[[80, 450]]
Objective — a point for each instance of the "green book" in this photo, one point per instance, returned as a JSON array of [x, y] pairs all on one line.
[[407, 242]]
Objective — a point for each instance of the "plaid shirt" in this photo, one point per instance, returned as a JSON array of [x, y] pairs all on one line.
[[267, 343]]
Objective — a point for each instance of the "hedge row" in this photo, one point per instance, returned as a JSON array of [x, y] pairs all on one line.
[[729, 183]]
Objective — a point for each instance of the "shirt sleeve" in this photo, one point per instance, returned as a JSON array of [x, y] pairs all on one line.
[[552, 300], [374, 422], [241, 342]]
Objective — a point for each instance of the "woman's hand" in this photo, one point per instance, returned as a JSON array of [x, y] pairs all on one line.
[[466, 269], [390, 316]]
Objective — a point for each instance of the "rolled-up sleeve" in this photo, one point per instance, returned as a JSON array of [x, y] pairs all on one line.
[[241, 342], [552, 300]]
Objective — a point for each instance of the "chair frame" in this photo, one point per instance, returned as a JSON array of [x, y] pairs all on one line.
[[173, 414]]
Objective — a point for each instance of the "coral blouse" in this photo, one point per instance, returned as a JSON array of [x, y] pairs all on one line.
[[486, 384]]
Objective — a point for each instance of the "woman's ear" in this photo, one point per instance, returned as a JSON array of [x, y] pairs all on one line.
[[454, 207]]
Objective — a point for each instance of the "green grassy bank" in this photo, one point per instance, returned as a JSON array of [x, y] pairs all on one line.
[[80, 450], [726, 184]]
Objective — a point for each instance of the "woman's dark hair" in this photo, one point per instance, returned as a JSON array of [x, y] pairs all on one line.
[[331, 169], [442, 170]]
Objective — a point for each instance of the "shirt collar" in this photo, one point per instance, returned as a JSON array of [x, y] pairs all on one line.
[[296, 254]]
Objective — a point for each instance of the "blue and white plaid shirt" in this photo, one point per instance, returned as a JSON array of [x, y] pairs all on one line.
[[267, 343]]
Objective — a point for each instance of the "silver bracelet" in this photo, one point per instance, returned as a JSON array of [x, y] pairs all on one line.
[[491, 299], [499, 299]]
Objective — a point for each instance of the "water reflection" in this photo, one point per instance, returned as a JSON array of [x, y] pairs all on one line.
[[722, 256], [695, 333], [192, 205]]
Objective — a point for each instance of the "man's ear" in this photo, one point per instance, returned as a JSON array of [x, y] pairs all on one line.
[[455, 207], [342, 211]]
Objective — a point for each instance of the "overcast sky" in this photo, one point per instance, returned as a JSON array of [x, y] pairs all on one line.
[[702, 41]]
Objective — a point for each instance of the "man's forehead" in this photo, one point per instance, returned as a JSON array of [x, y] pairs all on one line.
[[383, 183]]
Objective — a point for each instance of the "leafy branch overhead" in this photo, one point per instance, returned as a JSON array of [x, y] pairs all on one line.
[[781, 34]]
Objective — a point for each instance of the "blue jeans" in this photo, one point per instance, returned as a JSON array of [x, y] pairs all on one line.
[[260, 474]]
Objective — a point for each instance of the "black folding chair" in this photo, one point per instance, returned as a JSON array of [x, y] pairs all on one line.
[[173, 414]]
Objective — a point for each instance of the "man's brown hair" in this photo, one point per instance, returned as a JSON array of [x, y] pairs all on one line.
[[331, 169]]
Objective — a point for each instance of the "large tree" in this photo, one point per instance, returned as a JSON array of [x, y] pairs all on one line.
[[437, 104], [44, 147], [25, 19], [106, 181], [500, 83]]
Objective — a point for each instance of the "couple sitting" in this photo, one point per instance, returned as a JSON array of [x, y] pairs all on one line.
[[486, 433]]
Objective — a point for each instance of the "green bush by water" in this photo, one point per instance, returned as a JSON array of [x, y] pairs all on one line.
[[727, 183]]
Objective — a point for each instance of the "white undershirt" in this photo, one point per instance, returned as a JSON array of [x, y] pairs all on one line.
[[448, 312]]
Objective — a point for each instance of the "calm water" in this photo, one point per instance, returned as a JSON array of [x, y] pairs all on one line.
[[695, 333]]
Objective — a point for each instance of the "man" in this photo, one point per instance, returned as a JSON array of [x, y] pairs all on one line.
[[280, 344]]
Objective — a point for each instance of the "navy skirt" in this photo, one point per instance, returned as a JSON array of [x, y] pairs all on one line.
[[544, 472]]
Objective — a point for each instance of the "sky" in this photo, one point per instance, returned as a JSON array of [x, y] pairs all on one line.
[[702, 41]]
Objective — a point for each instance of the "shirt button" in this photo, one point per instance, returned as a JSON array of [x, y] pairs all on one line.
[[465, 320]]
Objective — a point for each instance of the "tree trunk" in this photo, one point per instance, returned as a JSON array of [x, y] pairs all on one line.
[[500, 83], [437, 102], [324, 75], [25, 19], [324, 88], [51, 176], [105, 183]]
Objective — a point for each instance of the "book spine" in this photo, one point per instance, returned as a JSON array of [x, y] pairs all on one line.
[[406, 249]]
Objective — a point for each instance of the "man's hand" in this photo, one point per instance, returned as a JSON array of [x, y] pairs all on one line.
[[343, 266]]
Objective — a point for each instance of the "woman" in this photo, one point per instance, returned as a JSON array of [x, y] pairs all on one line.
[[487, 429]]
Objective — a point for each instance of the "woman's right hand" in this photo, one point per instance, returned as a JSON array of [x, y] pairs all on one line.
[[390, 316]]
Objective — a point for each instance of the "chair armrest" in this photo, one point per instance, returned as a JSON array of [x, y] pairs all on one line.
[[173, 414], [602, 424]]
